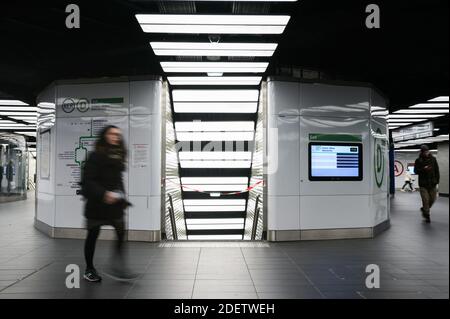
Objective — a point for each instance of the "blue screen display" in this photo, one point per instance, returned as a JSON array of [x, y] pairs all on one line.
[[335, 161]]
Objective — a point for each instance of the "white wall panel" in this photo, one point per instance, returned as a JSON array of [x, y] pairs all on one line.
[[333, 100], [329, 212], [283, 97], [69, 212], [145, 97], [283, 213], [286, 179], [45, 211]]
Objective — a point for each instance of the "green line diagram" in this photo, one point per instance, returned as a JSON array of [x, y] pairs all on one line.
[[81, 151]]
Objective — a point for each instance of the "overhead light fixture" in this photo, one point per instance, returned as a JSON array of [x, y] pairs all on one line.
[[201, 221], [18, 108], [430, 106], [247, 156], [26, 119], [411, 116], [216, 107], [215, 74], [18, 113], [213, 49], [215, 136], [214, 226], [215, 95], [212, 80], [211, 202], [213, 126], [405, 120], [214, 67], [28, 133], [215, 164], [214, 180], [215, 208], [440, 99], [399, 124], [215, 188], [16, 128], [212, 24], [422, 111], [12, 102]]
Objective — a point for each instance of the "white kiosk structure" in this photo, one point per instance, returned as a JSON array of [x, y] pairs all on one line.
[[70, 115], [326, 168]]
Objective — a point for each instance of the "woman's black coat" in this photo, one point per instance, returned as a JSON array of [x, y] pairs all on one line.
[[101, 174]]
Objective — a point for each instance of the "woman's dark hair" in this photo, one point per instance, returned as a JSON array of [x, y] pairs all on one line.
[[102, 146]]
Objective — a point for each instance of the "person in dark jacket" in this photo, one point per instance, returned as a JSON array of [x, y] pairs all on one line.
[[427, 168], [102, 186], [10, 175]]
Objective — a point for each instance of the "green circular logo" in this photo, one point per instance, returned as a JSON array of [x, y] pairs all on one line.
[[378, 160], [83, 105]]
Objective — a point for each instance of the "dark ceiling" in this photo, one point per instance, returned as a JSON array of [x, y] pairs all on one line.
[[407, 58]]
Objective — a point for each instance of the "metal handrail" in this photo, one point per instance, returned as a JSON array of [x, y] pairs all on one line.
[[172, 219], [255, 218], [31, 184], [255, 223]]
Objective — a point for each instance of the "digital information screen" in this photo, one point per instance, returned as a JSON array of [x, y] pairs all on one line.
[[334, 162]]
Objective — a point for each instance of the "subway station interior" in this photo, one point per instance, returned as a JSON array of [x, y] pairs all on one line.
[[274, 148]]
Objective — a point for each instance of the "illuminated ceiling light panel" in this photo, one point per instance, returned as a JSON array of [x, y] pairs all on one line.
[[201, 221], [422, 111], [215, 164], [212, 24], [405, 120], [217, 107], [12, 102], [213, 49], [31, 120], [215, 188], [215, 226], [214, 180], [202, 126], [399, 125], [440, 99], [215, 95], [211, 80], [411, 116], [228, 208], [215, 155], [208, 67], [430, 106], [18, 108], [215, 136], [25, 133], [214, 237], [18, 113], [213, 202], [16, 128]]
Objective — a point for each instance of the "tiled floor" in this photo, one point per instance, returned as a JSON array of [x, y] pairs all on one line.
[[413, 258]]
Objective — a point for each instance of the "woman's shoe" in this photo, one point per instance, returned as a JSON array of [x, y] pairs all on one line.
[[92, 276]]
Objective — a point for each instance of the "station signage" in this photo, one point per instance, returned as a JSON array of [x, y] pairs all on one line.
[[414, 132]]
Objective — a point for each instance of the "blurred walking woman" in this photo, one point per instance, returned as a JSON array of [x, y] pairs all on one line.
[[102, 186]]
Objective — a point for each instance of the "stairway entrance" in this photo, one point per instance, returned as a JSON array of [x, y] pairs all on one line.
[[214, 149]]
